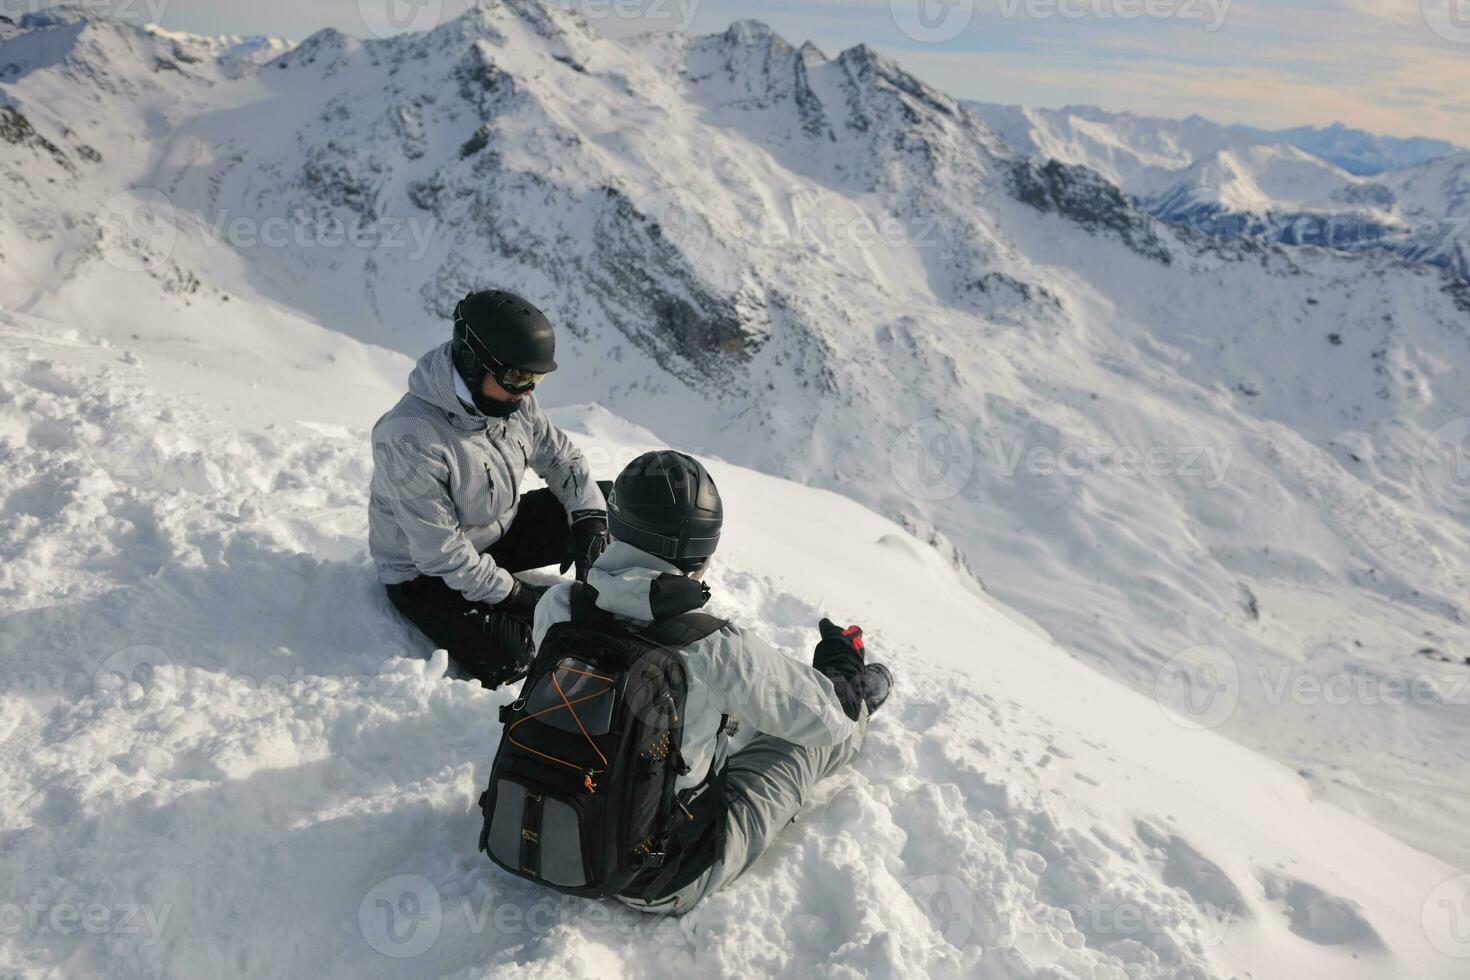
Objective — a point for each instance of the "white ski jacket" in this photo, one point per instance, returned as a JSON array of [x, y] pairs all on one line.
[[730, 672], [446, 482]]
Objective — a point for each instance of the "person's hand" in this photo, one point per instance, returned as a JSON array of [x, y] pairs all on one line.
[[839, 656], [840, 647], [506, 654], [520, 605], [586, 540]]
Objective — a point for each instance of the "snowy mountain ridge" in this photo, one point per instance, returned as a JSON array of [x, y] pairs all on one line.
[[1085, 134], [1356, 151], [823, 269], [1335, 188], [1421, 212]]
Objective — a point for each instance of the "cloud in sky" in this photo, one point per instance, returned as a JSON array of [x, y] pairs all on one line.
[[1400, 67]]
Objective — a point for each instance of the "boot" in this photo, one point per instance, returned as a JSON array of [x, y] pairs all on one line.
[[877, 684]]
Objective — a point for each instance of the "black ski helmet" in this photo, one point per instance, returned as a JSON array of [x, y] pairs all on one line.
[[666, 503], [496, 328]]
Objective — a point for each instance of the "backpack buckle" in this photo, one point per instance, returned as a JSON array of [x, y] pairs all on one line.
[[681, 801], [508, 711], [530, 836]]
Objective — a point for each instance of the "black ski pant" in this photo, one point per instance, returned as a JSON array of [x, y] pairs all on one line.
[[486, 644]]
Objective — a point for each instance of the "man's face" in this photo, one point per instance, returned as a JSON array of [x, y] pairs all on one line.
[[491, 388]]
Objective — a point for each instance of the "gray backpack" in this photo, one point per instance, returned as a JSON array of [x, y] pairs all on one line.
[[581, 795]]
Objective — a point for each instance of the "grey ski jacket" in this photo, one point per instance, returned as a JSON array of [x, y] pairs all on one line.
[[731, 672], [446, 482]]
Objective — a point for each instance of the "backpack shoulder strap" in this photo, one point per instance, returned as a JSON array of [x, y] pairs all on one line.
[[678, 631], [584, 610], [682, 630]]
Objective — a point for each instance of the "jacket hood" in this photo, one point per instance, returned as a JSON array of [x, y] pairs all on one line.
[[636, 585], [432, 380]]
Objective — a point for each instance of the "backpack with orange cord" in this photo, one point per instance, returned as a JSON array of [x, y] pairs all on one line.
[[582, 793]]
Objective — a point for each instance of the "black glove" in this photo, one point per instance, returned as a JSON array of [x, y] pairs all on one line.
[[586, 540], [506, 654], [520, 605], [672, 594], [839, 656]]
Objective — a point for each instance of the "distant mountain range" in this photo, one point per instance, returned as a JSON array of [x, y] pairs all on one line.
[[1354, 150], [1337, 187], [1120, 144]]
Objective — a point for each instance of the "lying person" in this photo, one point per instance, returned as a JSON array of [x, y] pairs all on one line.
[[612, 778]]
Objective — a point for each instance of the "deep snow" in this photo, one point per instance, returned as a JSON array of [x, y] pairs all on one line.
[[226, 753], [817, 266]]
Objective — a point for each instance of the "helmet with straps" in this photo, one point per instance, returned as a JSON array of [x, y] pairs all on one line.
[[496, 331], [667, 504]]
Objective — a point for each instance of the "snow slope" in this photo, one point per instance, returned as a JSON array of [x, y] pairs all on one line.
[[224, 755], [819, 268]]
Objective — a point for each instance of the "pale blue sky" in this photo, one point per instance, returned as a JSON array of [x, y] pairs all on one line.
[[1393, 66]]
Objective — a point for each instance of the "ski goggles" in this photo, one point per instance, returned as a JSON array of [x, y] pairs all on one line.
[[513, 379]]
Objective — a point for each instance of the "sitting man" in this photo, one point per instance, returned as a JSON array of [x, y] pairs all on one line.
[[447, 524], [665, 516]]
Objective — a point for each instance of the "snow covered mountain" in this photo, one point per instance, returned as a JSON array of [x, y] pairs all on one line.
[[1148, 441], [1121, 144], [1356, 151], [1141, 154], [1333, 187], [1283, 194]]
